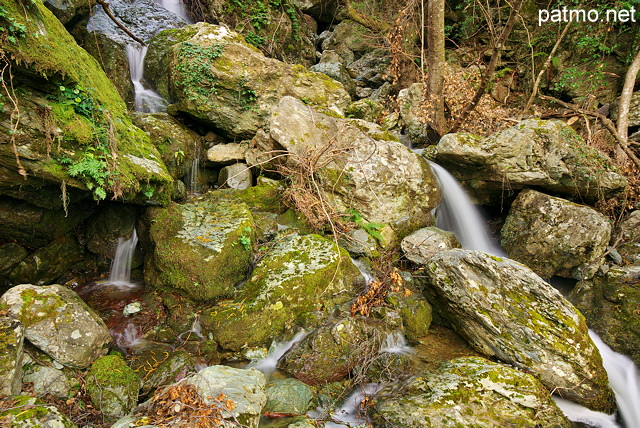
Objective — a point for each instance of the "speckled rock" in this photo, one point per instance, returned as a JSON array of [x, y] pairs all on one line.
[[629, 247], [610, 305], [415, 310], [289, 396], [215, 76], [421, 245], [113, 386], [11, 352], [237, 176], [504, 310], [469, 391], [366, 168], [58, 322], [554, 236], [50, 380], [410, 101], [29, 412], [300, 278], [244, 387], [544, 154], [202, 247], [366, 109]]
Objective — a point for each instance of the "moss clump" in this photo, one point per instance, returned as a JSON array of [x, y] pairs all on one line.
[[113, 386]]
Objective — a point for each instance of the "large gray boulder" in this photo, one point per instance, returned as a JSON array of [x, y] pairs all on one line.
[[58, 322], [215, 76], [629, 229], [419, 246], [506, 311], [554, 236], [469, 391], [363, 167], [31, 412], [544, 154]]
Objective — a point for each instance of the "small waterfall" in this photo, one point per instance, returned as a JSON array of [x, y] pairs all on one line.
[[194, 172], [177, 7], [121, 266], [146, 100], [268, 365], [459, 215]]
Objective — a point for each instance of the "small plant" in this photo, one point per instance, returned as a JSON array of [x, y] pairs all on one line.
[[373, 229], [195, 69], [148, 192], [10, 28], [81, 101], [179, 156], [245, 238]]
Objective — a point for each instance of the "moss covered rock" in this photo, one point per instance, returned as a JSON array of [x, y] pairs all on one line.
[[202, 248], [25, 411], [11, 352], [554, 236], [297, 277], [506, 311], [289, 396], [469, 391], [215, 76], [421, 245], [58, 322], [113, 386], [73, 128], [159, 365]]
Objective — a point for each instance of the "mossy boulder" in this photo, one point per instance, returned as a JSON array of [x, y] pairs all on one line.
[[157, 365], [504, 310], [547, 155], [58, 322], [610, 305], [202, 248], [11, 353], [414, 308], [215, 76], [469, 391], [360, 167], [289, 396], [25, 411], [300, 279], [554, 236], [73, 129], [112, 386]]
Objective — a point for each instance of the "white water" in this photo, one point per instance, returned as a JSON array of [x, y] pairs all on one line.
[[396, 343], [459, 215], [120, 274], [145, 100], [348, 413], [130, 337], [268, 364], [177, 7], [194, 173]]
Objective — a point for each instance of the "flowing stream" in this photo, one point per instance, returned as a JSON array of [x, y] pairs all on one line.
[[145, 100], [120, 274]]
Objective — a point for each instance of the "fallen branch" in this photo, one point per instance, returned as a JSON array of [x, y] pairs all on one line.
[[608, 123], [107, 10]]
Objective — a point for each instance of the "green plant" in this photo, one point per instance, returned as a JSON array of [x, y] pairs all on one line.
[[195, 69], [255, 39], [81, 101], [179, 156], [148, 192], [372, 228], [93, 170], [245, 238], [247, 97], [10, 28]]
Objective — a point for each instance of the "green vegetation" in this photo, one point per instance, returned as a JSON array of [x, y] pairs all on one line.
[[195, 69]]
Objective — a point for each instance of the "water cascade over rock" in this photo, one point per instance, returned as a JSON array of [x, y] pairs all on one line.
[[121, 267]]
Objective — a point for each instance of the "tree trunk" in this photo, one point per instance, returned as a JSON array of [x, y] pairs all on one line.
[[623, 105], [436, 64]]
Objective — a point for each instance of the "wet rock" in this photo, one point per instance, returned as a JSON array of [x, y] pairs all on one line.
[[244, 387], [610, 304], [414, 309], [469, 391], [359, 243], [10, 255], [554, 236], [104, 229], [69, 10], [112, 386], [215, 76], [419, 246], [58, 322], [544, 154], [289, 396], [157, 365], [202, 247], [300, 279], [11, 352], [629, 247], [227, 153], [237, 176], [366, 170], [504, 310], [31, 412]]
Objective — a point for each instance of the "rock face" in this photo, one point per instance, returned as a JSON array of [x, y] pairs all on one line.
[[58, 322], [425, 243], [103, 230], [554, 236], [299, 275], [504, 310], [610, 305], [629, 247], [244, 387], [469, 391], [363, 168], [547, 155], [215, 76], [113, 386], [201, 247], [11, 352]]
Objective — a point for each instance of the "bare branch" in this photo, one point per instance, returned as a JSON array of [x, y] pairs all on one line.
[[107, 10]]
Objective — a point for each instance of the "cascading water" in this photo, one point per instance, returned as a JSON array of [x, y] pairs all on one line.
[[120, 274], [177, 7], [145, 100], [194, 172], [459, 215]]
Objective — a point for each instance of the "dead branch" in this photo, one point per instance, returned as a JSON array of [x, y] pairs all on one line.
[[107, 10], [608, 123]]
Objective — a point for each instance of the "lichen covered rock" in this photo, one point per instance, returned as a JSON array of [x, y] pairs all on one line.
[[554, 236], [504, 310], [30, 412], [202, 247], [58, 322], [113, 386], [629, 247], [289, 396], [215, 76], [469, 391], [11, 352], [421, 245], [299, 276]]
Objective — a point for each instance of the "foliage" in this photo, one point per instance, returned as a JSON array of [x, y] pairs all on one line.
[[245, 238], [195, 69], [10, 29], [373, 229], [388, 280], [79, 99]]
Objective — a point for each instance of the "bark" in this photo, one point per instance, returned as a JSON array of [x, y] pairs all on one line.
[[107, 10], [436, 64], [625, 100]]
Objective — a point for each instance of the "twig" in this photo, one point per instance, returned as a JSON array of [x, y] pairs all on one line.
[[107, 10]]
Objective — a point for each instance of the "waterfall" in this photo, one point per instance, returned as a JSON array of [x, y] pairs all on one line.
[[459, 215], [194, 172], [177, 7], [268, 364], [121, 266], [146, 100]]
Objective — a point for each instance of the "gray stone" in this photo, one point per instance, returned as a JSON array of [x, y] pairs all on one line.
[[289, 396], [11, 352], [506, 311], [58, 322], [10, 255], [372, 68], [49, 380], [554, 236], [629, 247], [31, 412], [421, 245], [237, 176], [104, 229], [227, 153]]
